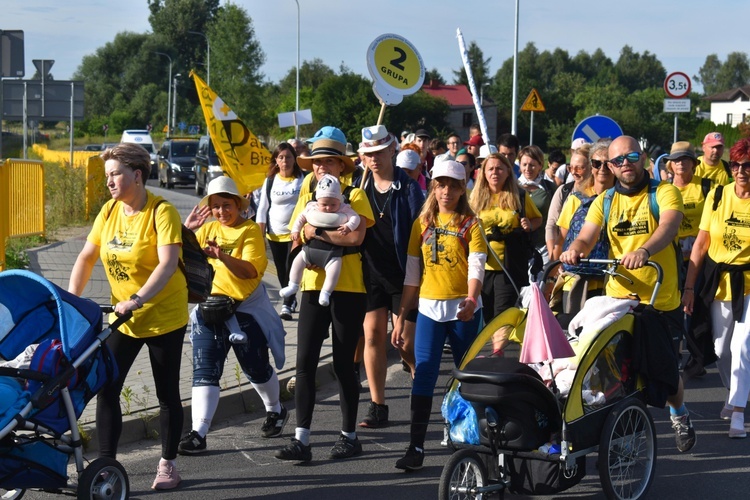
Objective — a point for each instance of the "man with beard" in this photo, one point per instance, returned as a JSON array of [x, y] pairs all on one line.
[[642, 219], [711, 165]]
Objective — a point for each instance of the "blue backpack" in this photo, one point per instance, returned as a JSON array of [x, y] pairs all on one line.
[[600, 250]]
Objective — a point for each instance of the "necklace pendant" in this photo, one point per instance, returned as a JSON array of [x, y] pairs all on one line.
[[381, 215]]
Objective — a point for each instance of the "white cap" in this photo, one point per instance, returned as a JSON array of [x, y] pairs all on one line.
[[449, 168], [486, 150], [328, 187], [408, 159]]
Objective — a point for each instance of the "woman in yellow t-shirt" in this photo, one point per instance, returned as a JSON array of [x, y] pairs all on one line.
[[497, 203], [722, 252], [444, 270], [138, 237], [681, 163], [250, 326], [588, 166], [345, 313]]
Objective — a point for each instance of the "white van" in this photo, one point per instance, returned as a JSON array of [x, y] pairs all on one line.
[[143, 137]]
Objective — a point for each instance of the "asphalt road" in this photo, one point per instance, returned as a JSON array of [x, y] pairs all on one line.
[[240, 464]]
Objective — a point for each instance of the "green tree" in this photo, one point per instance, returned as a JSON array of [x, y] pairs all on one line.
[[480, 67], [347, 101], [708, 75], [172, 19], [420, 110], [236, 61], [639, 72], [735, 72], [433, 75], [311, 75]]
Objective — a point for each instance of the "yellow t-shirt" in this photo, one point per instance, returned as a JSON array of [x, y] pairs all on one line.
[[630, 226], [729, 228], [244, 242], [350, 279], [447, 277], [128, 250], [717, 174], [505, 219]]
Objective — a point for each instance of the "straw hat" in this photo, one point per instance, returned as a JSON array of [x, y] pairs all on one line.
[[224, 185]]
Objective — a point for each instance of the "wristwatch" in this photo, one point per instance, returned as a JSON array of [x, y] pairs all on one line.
[[135, 298]]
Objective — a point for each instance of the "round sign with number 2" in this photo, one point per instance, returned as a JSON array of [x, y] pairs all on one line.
[[396, 68]]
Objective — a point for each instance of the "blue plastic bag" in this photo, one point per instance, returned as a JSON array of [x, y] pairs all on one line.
[[461, 418]]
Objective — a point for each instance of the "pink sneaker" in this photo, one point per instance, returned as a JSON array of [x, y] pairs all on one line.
[[167, 476]]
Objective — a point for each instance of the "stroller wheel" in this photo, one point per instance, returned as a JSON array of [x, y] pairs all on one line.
[[11, 494], [463, 473], [104, 478], [627, 451]]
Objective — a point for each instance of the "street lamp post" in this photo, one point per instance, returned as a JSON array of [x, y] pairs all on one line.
[[296, 108], [174, 103], [169, 87], [514, 113], [208, 56]]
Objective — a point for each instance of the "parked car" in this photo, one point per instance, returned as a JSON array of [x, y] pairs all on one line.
[[94, 147], [207, 165], [176, 160]]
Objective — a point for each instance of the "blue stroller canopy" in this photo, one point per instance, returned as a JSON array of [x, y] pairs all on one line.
[[33, 309]]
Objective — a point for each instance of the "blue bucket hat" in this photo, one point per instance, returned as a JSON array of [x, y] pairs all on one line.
[[328, 132]]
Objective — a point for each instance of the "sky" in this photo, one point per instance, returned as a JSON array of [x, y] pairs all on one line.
[[680, 33]]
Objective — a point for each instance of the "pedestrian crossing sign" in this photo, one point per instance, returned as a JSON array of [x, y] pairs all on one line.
[[533, 102]]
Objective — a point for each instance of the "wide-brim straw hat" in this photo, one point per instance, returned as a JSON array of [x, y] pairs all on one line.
[[327, 148], [224, 185]]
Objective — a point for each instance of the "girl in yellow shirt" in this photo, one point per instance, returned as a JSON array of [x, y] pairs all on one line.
[[444, 271]]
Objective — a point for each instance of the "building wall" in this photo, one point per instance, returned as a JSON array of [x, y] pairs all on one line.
[[461, 118], [732, 113]]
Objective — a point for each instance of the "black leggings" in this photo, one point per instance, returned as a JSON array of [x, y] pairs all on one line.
[[346, 313], [165, 353], [280, 252]]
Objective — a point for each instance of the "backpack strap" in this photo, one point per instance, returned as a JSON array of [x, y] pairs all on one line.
[[567, 188], [727, 169], [705, 186], [269, 185], [718, 191], [652, 201], [111, 209]]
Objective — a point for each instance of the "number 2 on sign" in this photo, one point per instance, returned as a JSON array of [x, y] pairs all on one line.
[[396, 63]]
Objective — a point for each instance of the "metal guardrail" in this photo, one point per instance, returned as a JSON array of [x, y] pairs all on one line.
[[21, 201]]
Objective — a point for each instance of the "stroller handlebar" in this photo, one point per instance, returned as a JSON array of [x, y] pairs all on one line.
[[121, 319], [612, 265]]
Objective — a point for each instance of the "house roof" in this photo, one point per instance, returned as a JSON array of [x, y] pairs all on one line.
[[732, 95], [456, 95]]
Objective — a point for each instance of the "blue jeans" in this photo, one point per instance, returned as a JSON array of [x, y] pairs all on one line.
[[211, 346], [428, 348]]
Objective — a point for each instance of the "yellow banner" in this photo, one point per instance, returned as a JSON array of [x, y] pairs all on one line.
[[242, 156]]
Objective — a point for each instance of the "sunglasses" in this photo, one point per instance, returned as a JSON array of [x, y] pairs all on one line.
[[632, 157], [464, 163], [597, 164], [735, 165]]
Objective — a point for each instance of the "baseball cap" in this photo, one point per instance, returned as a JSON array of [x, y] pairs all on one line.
[[713, 139], [475, 141], [449, 168], [577, 143], [408, 159], [422, 133]]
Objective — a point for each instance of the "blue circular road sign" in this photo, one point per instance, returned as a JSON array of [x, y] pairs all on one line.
[[597, 127]]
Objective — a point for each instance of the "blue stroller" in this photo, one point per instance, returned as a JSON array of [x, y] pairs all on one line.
[[59, 362]]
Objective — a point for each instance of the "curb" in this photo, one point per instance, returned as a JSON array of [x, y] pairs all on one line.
[[233, 402]]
